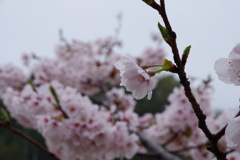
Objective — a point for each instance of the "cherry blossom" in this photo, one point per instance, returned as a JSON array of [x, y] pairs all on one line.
[[228, 69], [120, 99], [134, 78], [11, 76], [86, 132], [233, 133], [178, 123], [231, 156], [152, 56]]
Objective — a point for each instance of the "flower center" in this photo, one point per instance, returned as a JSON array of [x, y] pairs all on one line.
[[238, 76], [141, 79]]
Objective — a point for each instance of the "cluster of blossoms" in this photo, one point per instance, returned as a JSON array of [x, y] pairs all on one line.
[[75, 103], [11, 76], [84, 66], [177, 127], [74, 127]]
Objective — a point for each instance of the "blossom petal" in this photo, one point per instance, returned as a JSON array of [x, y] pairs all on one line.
[[134, 78], [221, 68]]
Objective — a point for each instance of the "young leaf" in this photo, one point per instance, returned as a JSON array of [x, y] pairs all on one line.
[[185, 54], [164, 32], [187, 50]]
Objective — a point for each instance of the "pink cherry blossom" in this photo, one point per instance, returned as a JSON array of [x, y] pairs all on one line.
[[231, 156], [179, 121], [79, 65], [152, 56], [134, 78], [11, 76], [228, 69], [120, 99], [234, 156]]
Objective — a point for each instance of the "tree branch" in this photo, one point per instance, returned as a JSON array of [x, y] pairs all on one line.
[[222, 131], [171, 139], [29, 139], [213, 145]]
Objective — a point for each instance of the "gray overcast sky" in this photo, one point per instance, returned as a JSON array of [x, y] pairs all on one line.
[[212, 27]]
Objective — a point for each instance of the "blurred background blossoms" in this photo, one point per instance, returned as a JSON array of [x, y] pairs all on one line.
[[73, 104]]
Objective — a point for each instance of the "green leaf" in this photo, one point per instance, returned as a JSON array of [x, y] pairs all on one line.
[[4, 115], [186, 51], [185, 54], [164, 32]]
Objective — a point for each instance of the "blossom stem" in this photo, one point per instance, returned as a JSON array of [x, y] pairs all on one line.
[[158, 71], [146, 67]]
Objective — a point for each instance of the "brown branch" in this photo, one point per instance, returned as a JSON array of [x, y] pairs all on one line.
[[222, 131], [154, 5], [182, 75], [29, 139], [171, 139], [213, 140]]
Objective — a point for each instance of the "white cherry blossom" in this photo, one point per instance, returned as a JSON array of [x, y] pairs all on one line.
[[228, 69], [134, 78], [232, 134]]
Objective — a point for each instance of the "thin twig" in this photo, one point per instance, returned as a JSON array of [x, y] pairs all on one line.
[[171, 139], [64, 40], [29, 139], [57, 105]]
